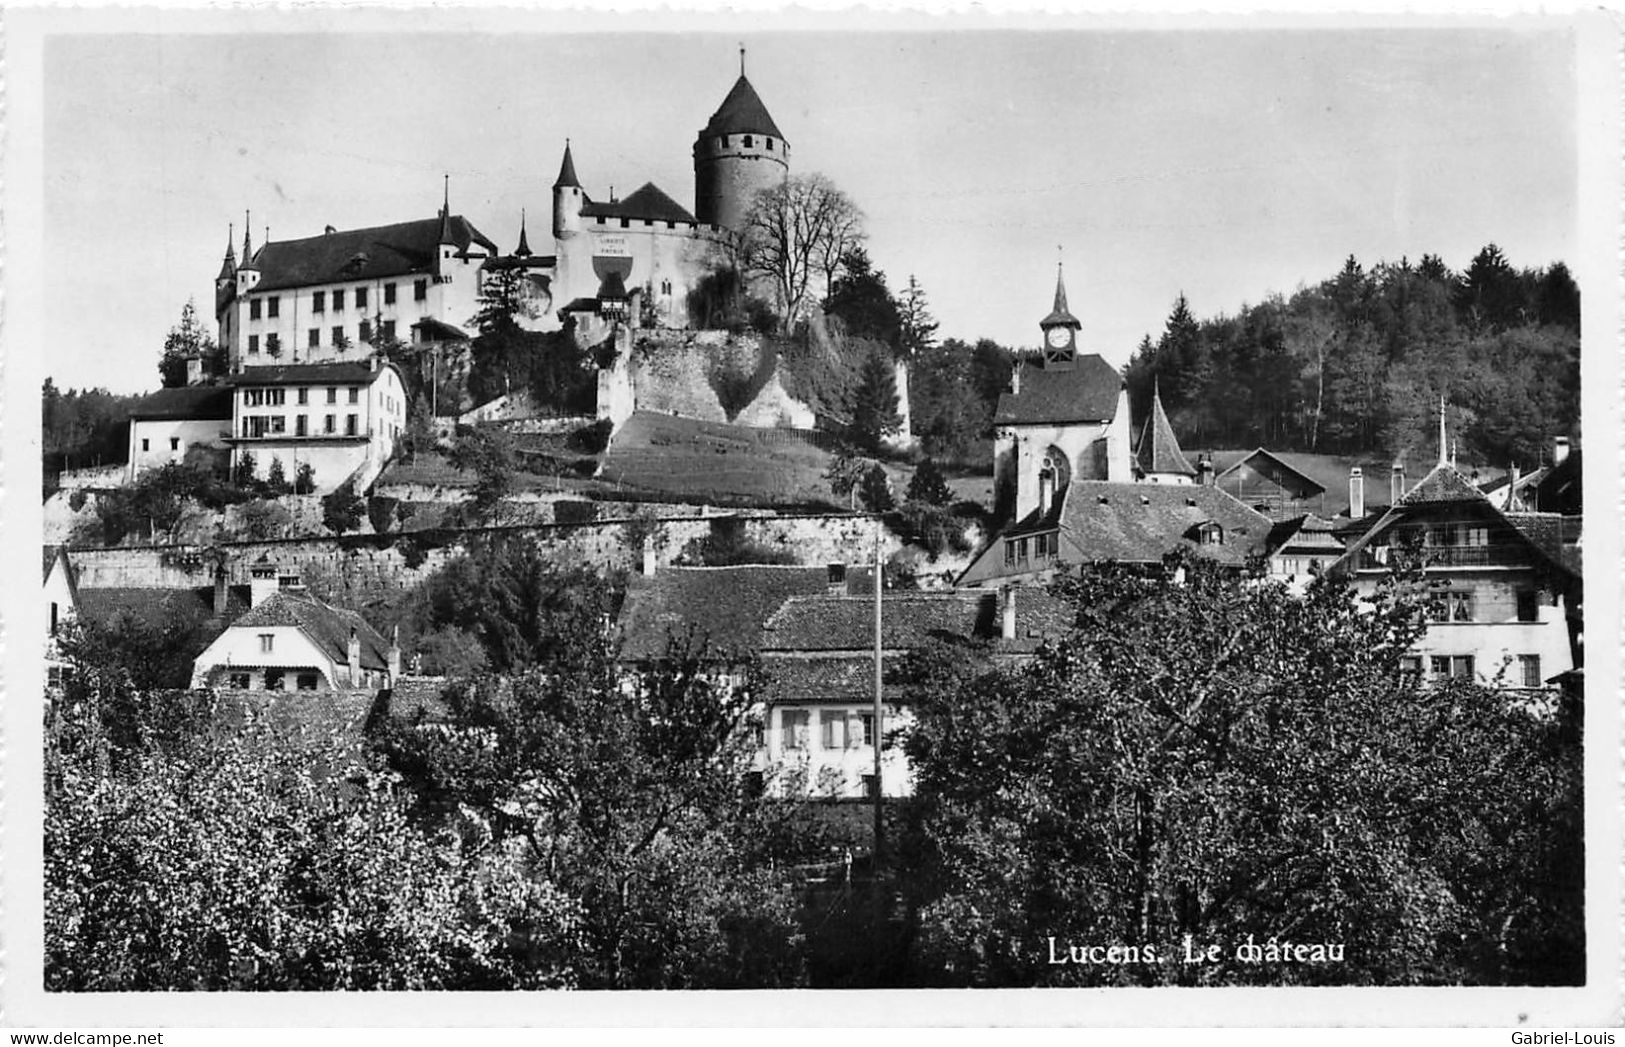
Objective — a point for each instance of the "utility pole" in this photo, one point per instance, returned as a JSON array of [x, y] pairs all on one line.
[[879, 708]]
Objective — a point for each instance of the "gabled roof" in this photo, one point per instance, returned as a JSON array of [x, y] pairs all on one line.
[[347, 371], [327, 627], [1143, 522], [846, 623], [1277, 460], [158, 607], [1442, 485], [1159, 451], [1555, 535], [363, 254], [1085, 392], [741, 112], [726, 606], [191, 402], [647, 202], [1307, 532]]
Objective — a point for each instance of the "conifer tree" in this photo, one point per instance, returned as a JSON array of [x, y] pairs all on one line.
[[874, 404]]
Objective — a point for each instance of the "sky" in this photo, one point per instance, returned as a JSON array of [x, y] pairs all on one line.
[[1225, 165]]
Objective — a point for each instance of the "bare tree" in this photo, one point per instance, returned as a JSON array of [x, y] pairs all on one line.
[[794, 230]]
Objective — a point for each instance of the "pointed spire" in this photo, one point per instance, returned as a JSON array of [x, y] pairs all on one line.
[[248, 248], [523, 250], [741, 61], [228, 266], [1060, 314], [1159, 449], [567, 171], [445, 217]]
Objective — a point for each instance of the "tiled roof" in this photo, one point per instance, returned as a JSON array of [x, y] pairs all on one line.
[[201, 402], [1443, 484], [1306, 532], [1086, 391], [846, 623], [348, 371], [1554, 535], [327, 627], [800, 680], [742, 111], [1279, 461], [1159, 451], [361, 254], [1143, 522], [648, 202], [725, 606]]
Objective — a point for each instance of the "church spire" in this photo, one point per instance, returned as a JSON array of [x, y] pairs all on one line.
[[1060, 315], [445, 215], [523, 250]]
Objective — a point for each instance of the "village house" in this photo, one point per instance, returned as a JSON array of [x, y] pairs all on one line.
[[171, 423], [288, 640], [1271, 484], [61, 601]]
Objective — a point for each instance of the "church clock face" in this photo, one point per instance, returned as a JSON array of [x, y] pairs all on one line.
[[1058, 337]]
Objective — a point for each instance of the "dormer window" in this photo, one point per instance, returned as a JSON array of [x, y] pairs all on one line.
[[1209, 533]]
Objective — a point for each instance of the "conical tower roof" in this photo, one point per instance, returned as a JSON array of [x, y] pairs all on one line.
[[523, 250], [742, 112], [446, 236], [567, 171], [1060, 315], [248, 252], [1159, 450], [228, 267]]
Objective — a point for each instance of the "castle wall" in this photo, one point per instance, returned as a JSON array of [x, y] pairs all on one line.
[[728, 173]]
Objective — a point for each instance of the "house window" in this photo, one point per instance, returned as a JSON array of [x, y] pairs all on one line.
[[274, 679], [1010, 552], [1461, 607], [1528, 606], [273, 344], [793, 728], [315, 337], [307, 681], [420, 290], [360, 297], [349, 425], [253, 308], [1475, 536], [303, 396], [279, 424], [389, 330], [275, 397], [238, 681], [867, 723], [665, 285], [1021, 550], [327, 424], [338, 338], [355, 394], [253, 343], [832, 729], [1529, 670], [174, 443], [267, 641], [146, 445], [338, 301], [366, 331], [758, 733], [273, 307], [835, 574], [389, 294], [332, 394], [318, 301], [253, 397], [300, 426], [869, 787], [1445, 605], [1459, 666], [1410, 667]]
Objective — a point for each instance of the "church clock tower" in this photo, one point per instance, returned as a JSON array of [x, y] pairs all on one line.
[[1060, 329]]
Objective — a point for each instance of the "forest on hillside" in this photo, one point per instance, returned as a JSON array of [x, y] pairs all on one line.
[[1356, 364]]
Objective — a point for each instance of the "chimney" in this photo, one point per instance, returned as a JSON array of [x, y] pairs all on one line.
[[1007, 617], [1560, 450], [329, 231], [1356, 493], [194, 370], [220, 589], [1204, 470], [1015, 378], [646, 565], [262, 583], [1396, 483], [352, 653], [393, 656], [1512, 490]]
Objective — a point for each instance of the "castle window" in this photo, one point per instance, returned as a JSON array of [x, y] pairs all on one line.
[[625, 223], [174, 443], [272, 305], [366, 330], [318, 301], [350, 425], [770, 145], [360, 297], [338, 338], [420, 290], [389, 330], [327, 424], [254, 343], [338, 301], [303, 396], [355, 394], [747, 141], [253, 308], [300, 426], [146, 444], [273, 343], [389, 294], [315, 337]]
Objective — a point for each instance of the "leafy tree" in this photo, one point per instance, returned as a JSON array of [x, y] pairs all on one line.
[[243, 475], [263, 521], [304, 479], [792, 231], [929, 485], [141, 651], [917, 333], [419, 437], [1213, 758], [488, 453], [343, 509], [874, 404], [874, 490], [450, 651], [862, 302], [187, 340]]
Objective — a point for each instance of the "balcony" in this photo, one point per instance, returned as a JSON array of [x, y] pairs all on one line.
[[1495, 554], [267, 436]]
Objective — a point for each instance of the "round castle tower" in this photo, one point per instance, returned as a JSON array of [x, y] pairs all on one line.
[[739, 153]]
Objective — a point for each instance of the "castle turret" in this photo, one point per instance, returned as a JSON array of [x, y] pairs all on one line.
[[248, 274], [447, 248], [567, 198], [739, 153], [523, 250], [225, 285]]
